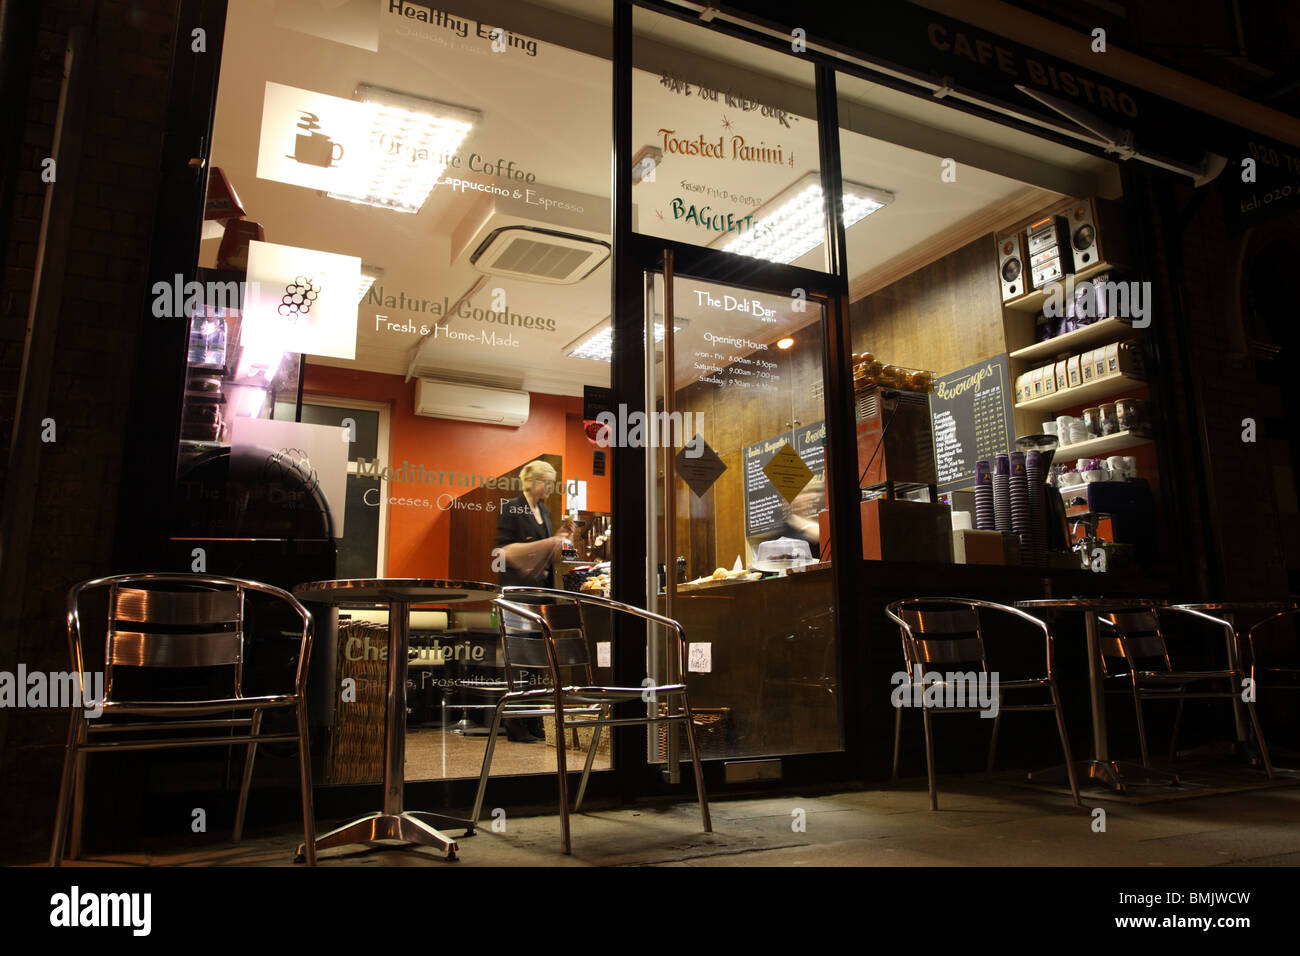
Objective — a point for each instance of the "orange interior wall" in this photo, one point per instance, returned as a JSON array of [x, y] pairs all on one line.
[[419, 535]]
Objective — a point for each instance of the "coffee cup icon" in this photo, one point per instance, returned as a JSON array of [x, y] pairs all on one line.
[[316, 149]]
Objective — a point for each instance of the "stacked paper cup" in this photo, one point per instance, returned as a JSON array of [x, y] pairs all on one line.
[[1002, 493], [984, 520], [1021, 522], [1037, 518]]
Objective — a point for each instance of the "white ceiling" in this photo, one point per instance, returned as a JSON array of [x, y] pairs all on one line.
[[550, 115]]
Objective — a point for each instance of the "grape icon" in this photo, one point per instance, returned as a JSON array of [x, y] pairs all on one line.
[[299, 296]]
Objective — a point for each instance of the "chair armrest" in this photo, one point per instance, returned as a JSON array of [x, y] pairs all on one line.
[[679, 632]]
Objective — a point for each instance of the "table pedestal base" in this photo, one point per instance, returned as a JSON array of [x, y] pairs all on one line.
[[410, 826], [1112, 774]]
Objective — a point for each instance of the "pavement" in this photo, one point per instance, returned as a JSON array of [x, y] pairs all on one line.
[[981, 822]]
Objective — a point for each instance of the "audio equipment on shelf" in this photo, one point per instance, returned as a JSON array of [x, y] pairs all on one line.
[[1011, 267], [1096, 234], [1048, 249]]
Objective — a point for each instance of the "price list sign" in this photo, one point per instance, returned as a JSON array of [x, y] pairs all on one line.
[[971, 409], [765, 506]]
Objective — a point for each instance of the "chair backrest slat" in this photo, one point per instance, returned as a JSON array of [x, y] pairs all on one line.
[[1135, 623], [177, 608], [530, 650], [1138, 632], [941, 622], [137, 649], [949, 651]]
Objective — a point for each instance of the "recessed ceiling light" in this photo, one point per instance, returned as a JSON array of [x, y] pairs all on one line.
[[784, 343], [410, 140], [792, 223], [597, 342]]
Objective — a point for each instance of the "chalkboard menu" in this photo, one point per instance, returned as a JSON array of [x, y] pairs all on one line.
[[764, 507], [972, 416]]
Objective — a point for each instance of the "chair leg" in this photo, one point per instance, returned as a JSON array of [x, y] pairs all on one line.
[[1065, 745], [1173, 739], [487, 765], [929, 757], [993, 742], [254, 729], [304, 774], [1259, 735], [78, 801], [65, 790], [562, 772], [591, 758], [695, 763], [1142, 730], [898, 737]]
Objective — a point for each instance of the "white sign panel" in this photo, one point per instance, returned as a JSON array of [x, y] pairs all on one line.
[[313, 139], [301, 300], [315, 451]]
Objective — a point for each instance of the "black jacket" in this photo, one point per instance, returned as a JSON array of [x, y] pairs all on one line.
[[515, 525]]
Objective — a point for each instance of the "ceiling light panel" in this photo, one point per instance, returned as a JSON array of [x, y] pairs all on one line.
[[793, 224], [409, 140]]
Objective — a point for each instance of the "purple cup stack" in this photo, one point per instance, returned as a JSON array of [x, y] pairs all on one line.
[[1002, 493], [984, 520], [1038, 519], [1021, 522]]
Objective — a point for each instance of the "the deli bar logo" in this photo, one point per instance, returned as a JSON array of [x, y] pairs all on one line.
[[440, 20]]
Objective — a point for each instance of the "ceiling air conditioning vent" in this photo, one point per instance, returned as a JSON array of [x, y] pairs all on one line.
[[470, 403], [539, 255]]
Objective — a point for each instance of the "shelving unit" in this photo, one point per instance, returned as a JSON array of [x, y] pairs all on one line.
[[1032, 302], [1100, 388], [1105, 445], [1103, 332]]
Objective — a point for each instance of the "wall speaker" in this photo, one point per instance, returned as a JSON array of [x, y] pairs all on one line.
[[1011, 267]]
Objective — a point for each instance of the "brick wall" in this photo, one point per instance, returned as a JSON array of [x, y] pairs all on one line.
[[129, 58]]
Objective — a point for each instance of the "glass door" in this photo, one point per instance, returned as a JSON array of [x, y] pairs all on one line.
[[738, 515]]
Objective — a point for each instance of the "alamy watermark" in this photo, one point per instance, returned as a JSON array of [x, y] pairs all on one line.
[[638, 429], [180, 299], [1100, 299], [53, 689], [953, 689]]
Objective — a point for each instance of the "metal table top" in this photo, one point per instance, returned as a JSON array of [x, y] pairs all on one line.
[[389, 590], [1092, 603]]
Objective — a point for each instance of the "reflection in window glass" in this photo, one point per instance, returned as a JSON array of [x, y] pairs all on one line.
[[725, 144], [417, 203]]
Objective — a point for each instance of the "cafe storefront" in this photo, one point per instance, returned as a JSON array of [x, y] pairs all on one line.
[[436, 246]]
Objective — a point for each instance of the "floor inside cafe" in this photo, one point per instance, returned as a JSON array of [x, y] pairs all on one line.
[[994, 822]]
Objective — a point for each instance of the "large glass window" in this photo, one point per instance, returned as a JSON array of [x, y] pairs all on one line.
[[725, 144], [993, 301], [412, 208]]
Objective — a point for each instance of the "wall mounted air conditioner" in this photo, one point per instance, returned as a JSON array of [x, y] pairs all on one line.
[[470, 403]]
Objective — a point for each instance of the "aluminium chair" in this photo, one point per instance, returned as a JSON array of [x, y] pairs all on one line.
[[170, 621], [946, 631], [550, 638], [1135, 650], [1273, 657]]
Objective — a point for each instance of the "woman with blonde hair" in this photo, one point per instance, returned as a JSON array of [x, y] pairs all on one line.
[[524, 531], [526, 541]]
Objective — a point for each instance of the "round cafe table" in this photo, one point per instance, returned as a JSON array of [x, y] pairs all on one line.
[[1100, 767], [395, 822]]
